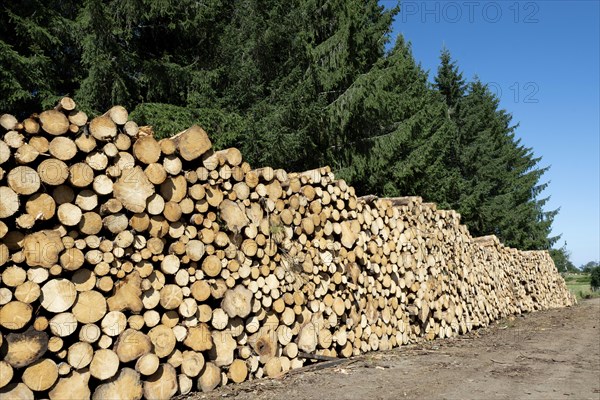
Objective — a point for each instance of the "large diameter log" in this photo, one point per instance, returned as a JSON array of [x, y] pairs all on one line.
[[53, 172], [16, 391], [73, 386], [132, 344], [307, 338], [41, 206], [237, 302], [15, 315], [238, 371], [133, 189], [22, 349], [146, 149], [210, 377], [192, 143], [10, 202], [126, 385], [42, 248], [90, 307], [128, 294], [4, 152], [103, 128], [199, 338], [105, 364], [118, 114], [224, 346], [54, 122], [147, 364], [163, 339], [23, 180], [58, 295], [40, 375], [192, 363], [6, 374], [234, 215], [162, 384]]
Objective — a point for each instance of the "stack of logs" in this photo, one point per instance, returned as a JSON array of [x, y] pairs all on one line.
[[136, 268]]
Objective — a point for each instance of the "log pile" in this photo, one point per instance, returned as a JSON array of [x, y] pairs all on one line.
[[136, 268]]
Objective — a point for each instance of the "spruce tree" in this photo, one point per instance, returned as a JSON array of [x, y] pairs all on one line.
[[449, 82], [500, 176], [38, 54]]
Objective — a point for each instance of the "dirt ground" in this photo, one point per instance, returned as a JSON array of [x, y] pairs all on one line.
[[551, 354]]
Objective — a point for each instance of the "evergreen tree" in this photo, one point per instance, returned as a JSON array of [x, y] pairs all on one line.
[[38, 54], [449, 82], [501, 177], [409, 156]]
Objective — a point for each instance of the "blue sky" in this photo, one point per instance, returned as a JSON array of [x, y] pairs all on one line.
[[542, 59]]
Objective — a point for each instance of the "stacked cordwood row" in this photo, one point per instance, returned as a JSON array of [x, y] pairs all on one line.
[[136, 268]]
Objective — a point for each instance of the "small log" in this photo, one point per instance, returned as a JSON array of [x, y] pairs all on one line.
[[147, 364]]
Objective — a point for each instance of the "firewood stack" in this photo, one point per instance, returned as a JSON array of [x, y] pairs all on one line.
[[136, 268]]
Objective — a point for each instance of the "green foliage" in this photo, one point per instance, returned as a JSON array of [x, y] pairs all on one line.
[[595, 278], [561, 258], [589, 266], [498, 178], [224, 128], [38, 57], [296, 85]]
